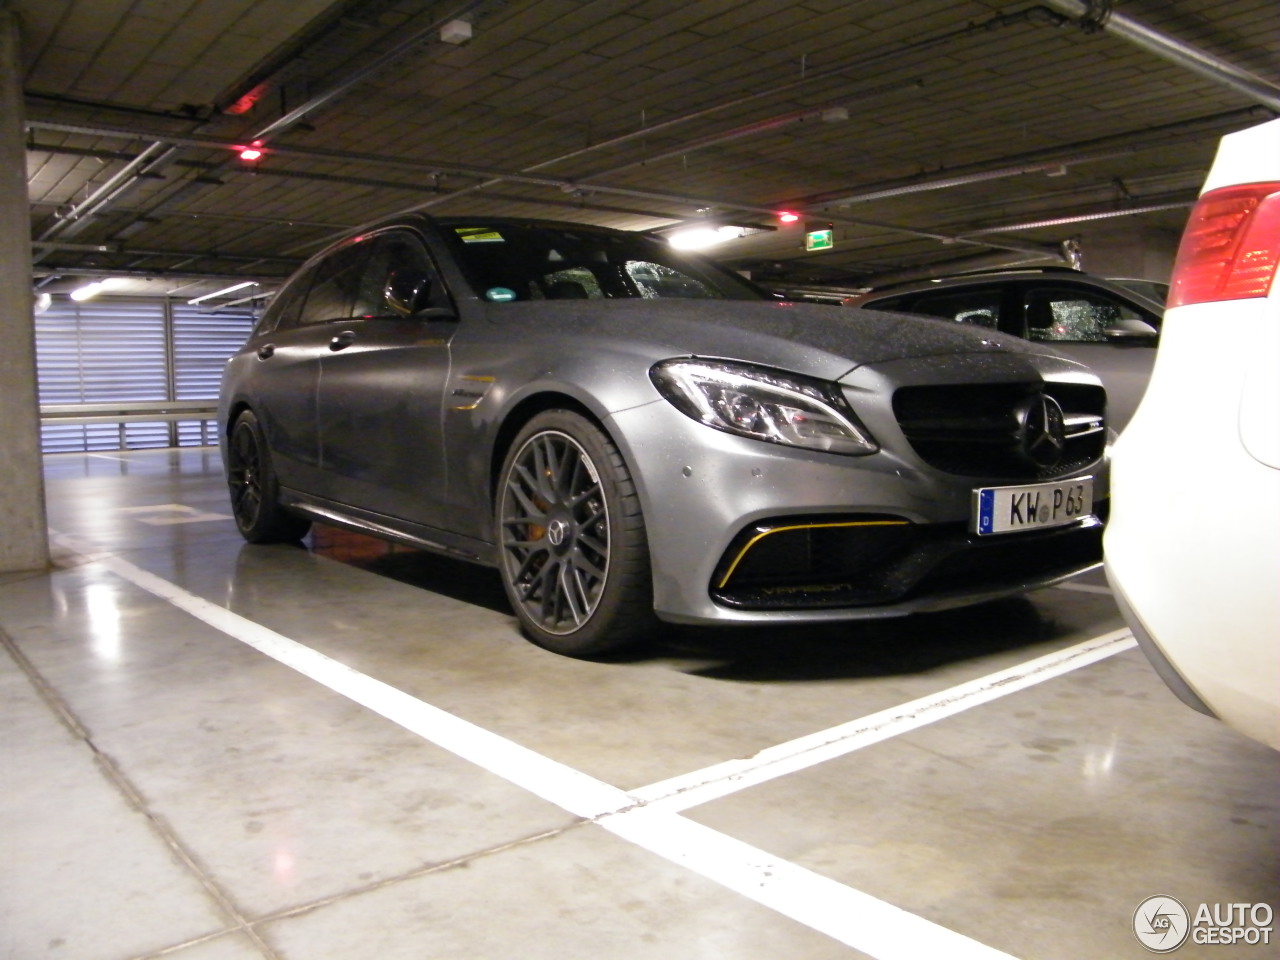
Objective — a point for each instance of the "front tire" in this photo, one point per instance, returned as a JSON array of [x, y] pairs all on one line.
[[254, 488], [573, 553]]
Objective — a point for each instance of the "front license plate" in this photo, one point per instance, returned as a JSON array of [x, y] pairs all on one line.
[[1008, 509]]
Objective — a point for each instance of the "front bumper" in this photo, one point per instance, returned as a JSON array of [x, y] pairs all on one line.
[[746, 531]]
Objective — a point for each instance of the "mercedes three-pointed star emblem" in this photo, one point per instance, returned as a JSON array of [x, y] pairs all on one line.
[[1042, 430]]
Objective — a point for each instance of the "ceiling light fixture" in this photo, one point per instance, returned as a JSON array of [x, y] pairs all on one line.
[[699, 238], [456, 32], [90, 290], [218, 293]]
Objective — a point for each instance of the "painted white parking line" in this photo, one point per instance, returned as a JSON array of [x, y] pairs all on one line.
[[861, 921], [170, 514], [649, 817], [701, 786]]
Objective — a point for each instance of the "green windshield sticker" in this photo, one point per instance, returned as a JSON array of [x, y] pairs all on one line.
[[479, 235], [500, 294]]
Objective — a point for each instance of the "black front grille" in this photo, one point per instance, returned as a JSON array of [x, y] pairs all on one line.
[[974, 429]]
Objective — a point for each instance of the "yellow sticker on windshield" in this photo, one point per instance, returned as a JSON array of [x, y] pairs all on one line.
[[479, 235]]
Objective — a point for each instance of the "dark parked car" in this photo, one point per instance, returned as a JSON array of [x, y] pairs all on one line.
[[1110, 325], [627, 432]]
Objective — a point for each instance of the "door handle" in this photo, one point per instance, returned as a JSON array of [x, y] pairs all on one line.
[[343, 340], [266, 351]]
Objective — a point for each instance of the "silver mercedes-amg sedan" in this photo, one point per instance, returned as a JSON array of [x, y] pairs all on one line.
[[632, 434]]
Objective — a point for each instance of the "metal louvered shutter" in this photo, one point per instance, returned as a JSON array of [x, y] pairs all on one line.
[[100, 352], [202, 342], [111, 350]]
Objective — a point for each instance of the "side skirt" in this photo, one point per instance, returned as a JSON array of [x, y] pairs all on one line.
[[390, 528]]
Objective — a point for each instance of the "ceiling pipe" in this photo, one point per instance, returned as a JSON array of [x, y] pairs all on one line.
[[96, 200], [1133, 211], [1099, 14], [227, 217], [76, 247], [171, 274]]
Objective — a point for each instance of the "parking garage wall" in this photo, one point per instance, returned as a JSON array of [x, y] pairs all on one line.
[[123, 350]]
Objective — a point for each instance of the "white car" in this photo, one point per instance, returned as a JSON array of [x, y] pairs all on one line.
[[1193, 546]]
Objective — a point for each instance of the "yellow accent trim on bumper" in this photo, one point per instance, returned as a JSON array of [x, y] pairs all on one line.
[[801, 526]]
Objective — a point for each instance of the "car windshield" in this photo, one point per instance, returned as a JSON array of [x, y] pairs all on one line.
[[506, 261]]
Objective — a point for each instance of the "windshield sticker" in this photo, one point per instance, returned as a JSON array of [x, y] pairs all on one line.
[[500, 294], [479, 235]]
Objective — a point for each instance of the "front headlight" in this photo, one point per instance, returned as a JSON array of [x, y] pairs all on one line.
[[763, 404]]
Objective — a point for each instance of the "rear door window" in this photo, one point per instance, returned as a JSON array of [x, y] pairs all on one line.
[[979, 306]]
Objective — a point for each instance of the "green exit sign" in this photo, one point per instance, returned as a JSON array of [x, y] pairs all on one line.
[[819, 239]]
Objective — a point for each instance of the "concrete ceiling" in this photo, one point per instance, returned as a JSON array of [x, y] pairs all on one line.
[[924, 132]]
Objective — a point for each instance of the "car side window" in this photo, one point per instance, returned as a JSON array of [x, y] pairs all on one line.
[[399, 279], [286, 308], [573, 283], [1073, 315], [655, 281], [980, 307], [337, 279]]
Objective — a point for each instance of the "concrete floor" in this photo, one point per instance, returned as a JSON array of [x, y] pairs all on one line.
[[214, 751]]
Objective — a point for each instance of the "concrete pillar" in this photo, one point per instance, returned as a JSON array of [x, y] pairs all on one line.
[[24, 543]]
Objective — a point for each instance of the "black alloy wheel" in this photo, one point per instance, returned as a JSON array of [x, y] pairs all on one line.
[[253, 487], [573, 552]]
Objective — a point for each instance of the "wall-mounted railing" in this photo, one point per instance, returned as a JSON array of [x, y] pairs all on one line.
[[203, 412]]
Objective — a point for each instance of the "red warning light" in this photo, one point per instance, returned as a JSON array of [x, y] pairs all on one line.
[[251, 152], [788, 217]]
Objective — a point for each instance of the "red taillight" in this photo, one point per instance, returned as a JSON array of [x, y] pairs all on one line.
[[1230, 247]]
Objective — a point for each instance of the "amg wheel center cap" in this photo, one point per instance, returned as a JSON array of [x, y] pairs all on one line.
[[557, 532], [1042, 430]]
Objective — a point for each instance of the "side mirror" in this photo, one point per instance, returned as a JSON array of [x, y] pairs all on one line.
[[1131, 330], [408, 291]]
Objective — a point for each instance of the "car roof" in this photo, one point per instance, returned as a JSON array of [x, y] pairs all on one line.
[[978, 277]]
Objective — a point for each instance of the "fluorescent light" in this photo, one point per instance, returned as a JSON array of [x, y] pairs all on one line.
[[699, 238], [218, 293], [95, 288]]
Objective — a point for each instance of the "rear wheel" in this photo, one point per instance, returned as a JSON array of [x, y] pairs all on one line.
[[254, 488], [573, 552]]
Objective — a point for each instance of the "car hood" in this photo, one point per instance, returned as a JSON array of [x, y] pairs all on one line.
[[822, 341]]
